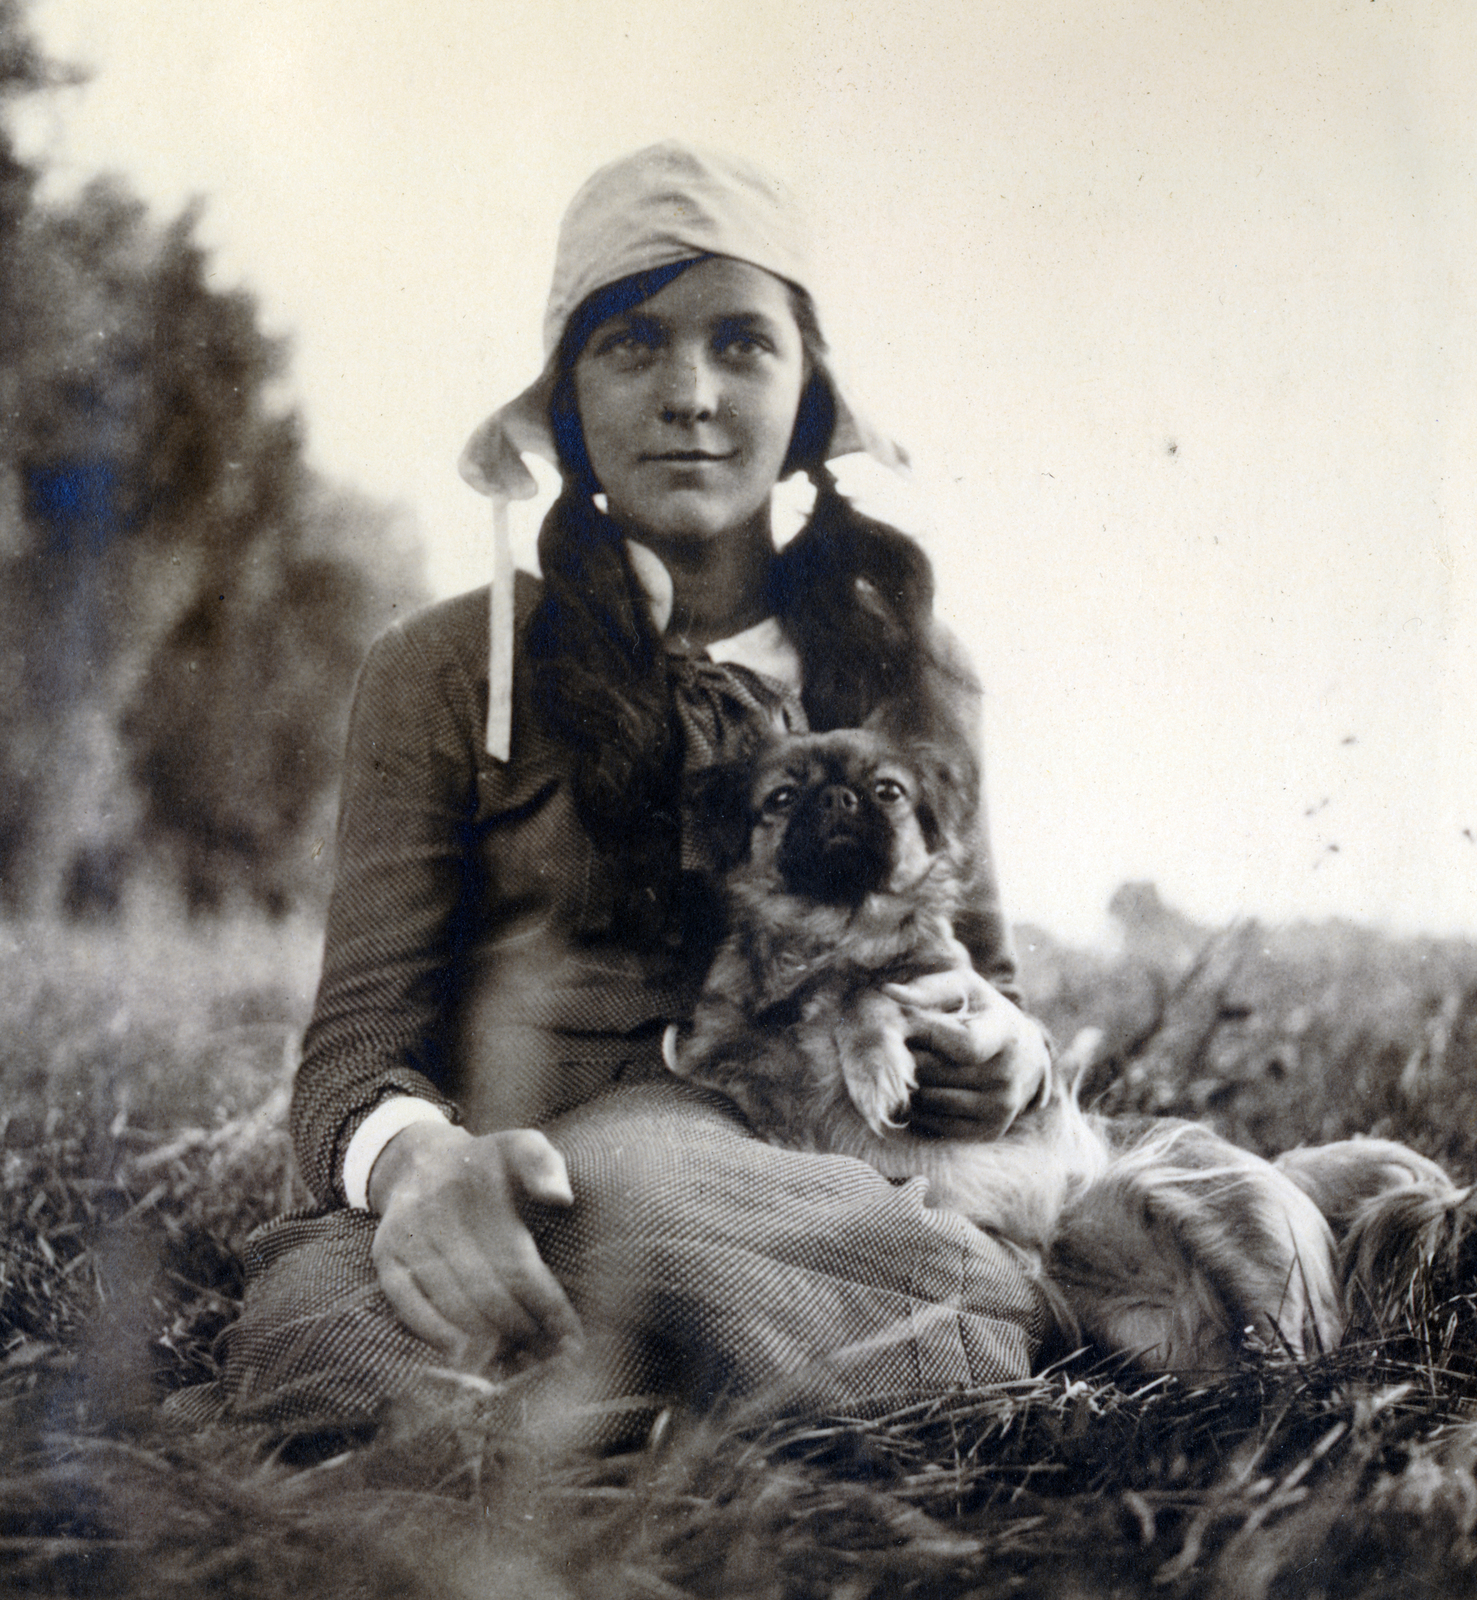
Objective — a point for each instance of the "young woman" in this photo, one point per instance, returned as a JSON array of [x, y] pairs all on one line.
[[505, 1169]]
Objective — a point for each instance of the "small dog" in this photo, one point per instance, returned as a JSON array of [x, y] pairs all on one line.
[[846, 860]]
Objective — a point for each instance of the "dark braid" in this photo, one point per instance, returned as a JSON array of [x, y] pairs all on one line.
[[599, 685], [599, 682], [856, 597]]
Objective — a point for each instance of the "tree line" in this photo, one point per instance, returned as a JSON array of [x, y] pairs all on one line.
[[184, 602]]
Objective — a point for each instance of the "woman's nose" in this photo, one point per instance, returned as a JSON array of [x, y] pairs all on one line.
[[691, 391]]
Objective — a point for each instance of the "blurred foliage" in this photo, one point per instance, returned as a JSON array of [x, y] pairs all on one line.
[[1277, 1037], [183, 602], [143, 1095]]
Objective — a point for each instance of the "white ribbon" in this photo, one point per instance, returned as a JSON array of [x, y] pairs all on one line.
[[500, 637]]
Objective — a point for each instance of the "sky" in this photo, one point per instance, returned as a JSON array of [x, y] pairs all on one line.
[[1174, 305]]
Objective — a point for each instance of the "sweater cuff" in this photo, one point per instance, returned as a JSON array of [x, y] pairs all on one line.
[[373, 1134]]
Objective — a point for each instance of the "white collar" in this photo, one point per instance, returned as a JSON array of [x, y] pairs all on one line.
[[764, 648]]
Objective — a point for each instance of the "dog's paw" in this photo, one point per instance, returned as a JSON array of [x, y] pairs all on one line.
[[883, 1106], [877, 1065]]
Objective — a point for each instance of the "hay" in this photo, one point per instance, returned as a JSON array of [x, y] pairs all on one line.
[[1348, 1477]]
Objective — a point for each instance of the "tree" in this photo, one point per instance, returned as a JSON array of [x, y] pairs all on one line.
[[183, 602]]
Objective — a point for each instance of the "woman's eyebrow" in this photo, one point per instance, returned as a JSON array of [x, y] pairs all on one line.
[[647, 326], [745, 325], [634, 321]]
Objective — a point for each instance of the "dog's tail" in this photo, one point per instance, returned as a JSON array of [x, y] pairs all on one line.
[[1408, 1253], [1342, 1178], [1407, 1234]]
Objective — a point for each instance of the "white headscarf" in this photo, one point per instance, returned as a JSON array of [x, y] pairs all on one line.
[[670, 202]]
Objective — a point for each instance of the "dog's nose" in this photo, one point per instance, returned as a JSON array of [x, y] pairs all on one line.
[[837, 800]]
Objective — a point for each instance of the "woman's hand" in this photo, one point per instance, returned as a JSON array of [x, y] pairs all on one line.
[[451, 1251], [981, 1060]]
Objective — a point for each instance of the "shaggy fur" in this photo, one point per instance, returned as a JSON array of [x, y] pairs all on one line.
[[1185, 1248], [1161, 1240], [1407, 1234], [848, 878]]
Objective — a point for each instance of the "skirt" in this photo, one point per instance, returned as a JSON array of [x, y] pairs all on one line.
[[705, 1266]]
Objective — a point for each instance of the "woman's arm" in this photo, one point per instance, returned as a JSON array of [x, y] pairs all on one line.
[[452, 1252], [408, 782]]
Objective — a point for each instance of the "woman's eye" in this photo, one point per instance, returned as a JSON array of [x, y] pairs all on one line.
[[888, 791], [739, 342], [631, 343], [780, 799]]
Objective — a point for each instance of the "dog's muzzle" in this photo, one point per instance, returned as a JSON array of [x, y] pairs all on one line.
[[838, 847]]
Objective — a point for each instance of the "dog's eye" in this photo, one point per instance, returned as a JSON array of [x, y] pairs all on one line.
[[888, 791], [780, 799]]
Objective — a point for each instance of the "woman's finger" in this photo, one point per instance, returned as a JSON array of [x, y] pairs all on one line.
[[485, 1305], [963, 1104], [460, 1284], [958, 1114], [417, 1313], [972, 1040], [542, 1299], [937, 1071], [956, 989], [537, 1167], [491, 1283]]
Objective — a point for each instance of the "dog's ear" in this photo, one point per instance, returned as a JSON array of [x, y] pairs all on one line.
[[717, 803], [946, 806], [946, 769]]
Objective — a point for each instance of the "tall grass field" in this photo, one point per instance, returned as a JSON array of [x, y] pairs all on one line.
[[145, 1077]]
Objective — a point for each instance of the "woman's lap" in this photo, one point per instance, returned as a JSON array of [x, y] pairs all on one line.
[[702, 1262]]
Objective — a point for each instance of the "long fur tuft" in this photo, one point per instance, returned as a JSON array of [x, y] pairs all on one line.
[[1342, 1178], [1409, 1252], [1187, 1245]]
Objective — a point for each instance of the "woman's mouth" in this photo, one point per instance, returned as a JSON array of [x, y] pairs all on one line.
[[689, 457]]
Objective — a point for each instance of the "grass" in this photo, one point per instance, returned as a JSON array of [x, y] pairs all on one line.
[[144, 1083]]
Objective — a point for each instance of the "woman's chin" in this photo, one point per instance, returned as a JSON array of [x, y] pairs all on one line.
[[691, 522]]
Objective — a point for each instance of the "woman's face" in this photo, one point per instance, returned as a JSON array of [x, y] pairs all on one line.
[[687, 402]]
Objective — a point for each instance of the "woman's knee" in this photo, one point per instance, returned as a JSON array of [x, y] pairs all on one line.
[[316, 1337]]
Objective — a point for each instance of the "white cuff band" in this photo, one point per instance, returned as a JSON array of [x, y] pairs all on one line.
[[373, 1134]]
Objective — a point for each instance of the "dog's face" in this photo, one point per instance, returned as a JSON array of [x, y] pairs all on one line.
[[842, 865], [834, 817]]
